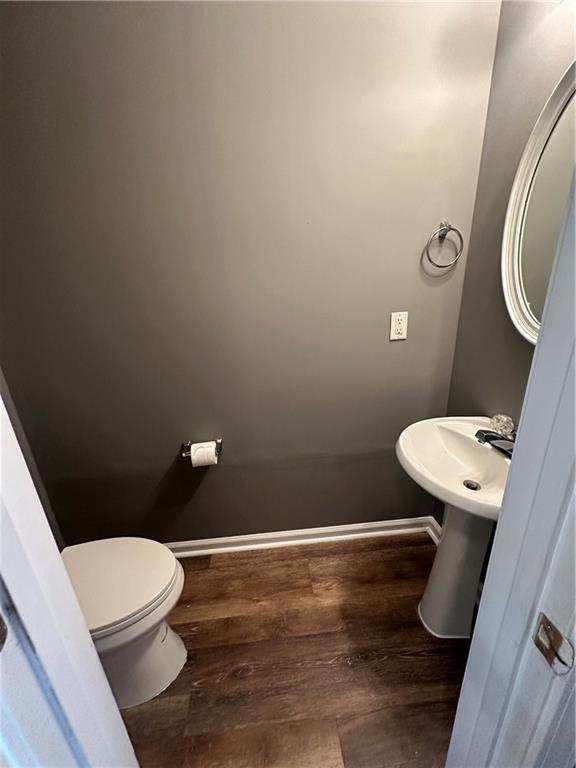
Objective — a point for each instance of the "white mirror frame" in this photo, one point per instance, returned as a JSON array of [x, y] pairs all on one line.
[[518, 308]]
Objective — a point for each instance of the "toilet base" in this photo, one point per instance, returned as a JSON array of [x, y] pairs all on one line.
[[142, 668]]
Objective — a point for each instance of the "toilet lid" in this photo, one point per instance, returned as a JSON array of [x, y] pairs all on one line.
[[116, 578]]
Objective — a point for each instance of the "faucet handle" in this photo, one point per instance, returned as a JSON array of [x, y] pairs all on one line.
[[502, 424]]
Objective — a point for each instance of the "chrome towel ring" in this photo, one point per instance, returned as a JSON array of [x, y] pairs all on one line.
[[441, 232]]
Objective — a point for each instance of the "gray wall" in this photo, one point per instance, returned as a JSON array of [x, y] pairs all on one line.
[[492, 361], [210, 211]]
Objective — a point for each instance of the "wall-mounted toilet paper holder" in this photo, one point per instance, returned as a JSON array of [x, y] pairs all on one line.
[[187, 448]]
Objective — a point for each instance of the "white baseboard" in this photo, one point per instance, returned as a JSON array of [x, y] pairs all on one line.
[[199, 547]]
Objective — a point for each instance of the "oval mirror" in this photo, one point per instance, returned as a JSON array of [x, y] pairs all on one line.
[[536, 209]]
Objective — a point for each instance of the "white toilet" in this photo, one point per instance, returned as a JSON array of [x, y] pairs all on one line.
[[126, 587]]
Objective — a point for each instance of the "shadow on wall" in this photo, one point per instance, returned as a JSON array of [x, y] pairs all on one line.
[[468, 50], [234, 499], [119, 505], [177, 487]]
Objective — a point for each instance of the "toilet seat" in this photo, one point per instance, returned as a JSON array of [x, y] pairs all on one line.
[[120, 581]]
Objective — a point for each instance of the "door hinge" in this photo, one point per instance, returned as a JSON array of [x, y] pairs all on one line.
[[556, 649]]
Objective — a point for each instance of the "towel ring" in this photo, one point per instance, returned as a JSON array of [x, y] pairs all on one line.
[[441, 233]]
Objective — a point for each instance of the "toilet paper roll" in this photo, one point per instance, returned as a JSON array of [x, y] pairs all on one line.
[[204, 454]]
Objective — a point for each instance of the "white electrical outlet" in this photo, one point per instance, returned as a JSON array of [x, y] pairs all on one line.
[[398, 326]]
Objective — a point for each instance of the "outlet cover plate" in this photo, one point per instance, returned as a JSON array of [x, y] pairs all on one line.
[[398, 326]]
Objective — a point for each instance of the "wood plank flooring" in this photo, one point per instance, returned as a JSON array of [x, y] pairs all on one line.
[[305, 657]]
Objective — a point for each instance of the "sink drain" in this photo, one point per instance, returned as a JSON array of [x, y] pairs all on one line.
[[472, 485]]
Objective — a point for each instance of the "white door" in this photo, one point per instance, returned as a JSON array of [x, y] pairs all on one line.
[[34, 729], [57, 708], [515, 709]]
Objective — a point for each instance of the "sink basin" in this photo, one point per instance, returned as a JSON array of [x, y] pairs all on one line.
[[443, 456]]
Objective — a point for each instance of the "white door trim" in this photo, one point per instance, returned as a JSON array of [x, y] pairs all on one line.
[[493, 722], [198, 547]]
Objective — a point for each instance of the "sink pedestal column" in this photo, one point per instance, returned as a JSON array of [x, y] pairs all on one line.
[[447, 606]]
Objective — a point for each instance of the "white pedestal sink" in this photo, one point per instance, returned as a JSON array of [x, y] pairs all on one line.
[[444, 457]]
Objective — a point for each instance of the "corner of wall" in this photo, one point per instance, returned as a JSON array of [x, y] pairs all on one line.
[[29, 458]]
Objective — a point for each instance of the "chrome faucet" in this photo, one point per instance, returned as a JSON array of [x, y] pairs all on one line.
[[502, 436]]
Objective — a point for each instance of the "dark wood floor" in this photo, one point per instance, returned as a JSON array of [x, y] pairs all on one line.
[[305, 657]]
